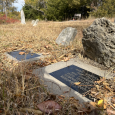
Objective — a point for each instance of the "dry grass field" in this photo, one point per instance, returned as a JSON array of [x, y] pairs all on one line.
[[41, 39], [15, 36], [20, 91]]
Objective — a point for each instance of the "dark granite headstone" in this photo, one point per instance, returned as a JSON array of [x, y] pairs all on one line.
[[72, 74], [25, 56]]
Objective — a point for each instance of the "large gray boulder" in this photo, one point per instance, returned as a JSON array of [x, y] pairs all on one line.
[[99, 41], [68, 34]]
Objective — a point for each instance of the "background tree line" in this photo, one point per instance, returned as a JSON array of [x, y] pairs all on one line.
[[60, 9], [7, 8], [65, 9]]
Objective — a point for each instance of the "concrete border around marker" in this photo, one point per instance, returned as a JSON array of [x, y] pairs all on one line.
[[55, 85]]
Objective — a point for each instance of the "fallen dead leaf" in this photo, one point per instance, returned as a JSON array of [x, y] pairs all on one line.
[[104, 83], [66, 59], [93, 104], [46, 46], [66, 92], [54, 61], [90, 106], [113, 100], [108, 88], [1, 111], [100, 103], [18, 94], [21, 53], [77, 83], [27, 77], [97, 86], [101, 80], [105, 106], [49, 106], [109, 112], [92, 92], [61, 97], [45, 53]]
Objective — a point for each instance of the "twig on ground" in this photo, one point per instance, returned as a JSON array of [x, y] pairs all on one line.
[[31, 110]]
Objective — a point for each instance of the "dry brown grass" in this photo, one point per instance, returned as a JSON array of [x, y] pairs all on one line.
[[41, 38], [16, 36], [18, 87]]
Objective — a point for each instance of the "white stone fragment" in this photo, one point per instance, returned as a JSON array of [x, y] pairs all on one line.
[[36, 22], [33, 21]]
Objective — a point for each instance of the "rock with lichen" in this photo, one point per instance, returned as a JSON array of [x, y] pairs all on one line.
[[99, 41]]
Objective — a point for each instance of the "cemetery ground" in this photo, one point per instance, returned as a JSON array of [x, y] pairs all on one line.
[[21, 92]]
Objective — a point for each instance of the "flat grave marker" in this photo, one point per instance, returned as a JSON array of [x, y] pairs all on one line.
[[26, 56], [71, 74], [60, 78]]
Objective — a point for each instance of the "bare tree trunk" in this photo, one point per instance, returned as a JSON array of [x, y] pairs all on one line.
[[2, 6], [5, 8]]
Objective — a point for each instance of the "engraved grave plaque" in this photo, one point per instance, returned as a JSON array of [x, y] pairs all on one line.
[[72, 74], [25, 56]]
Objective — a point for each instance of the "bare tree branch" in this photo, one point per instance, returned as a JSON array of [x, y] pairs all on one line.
[[35, 8]]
